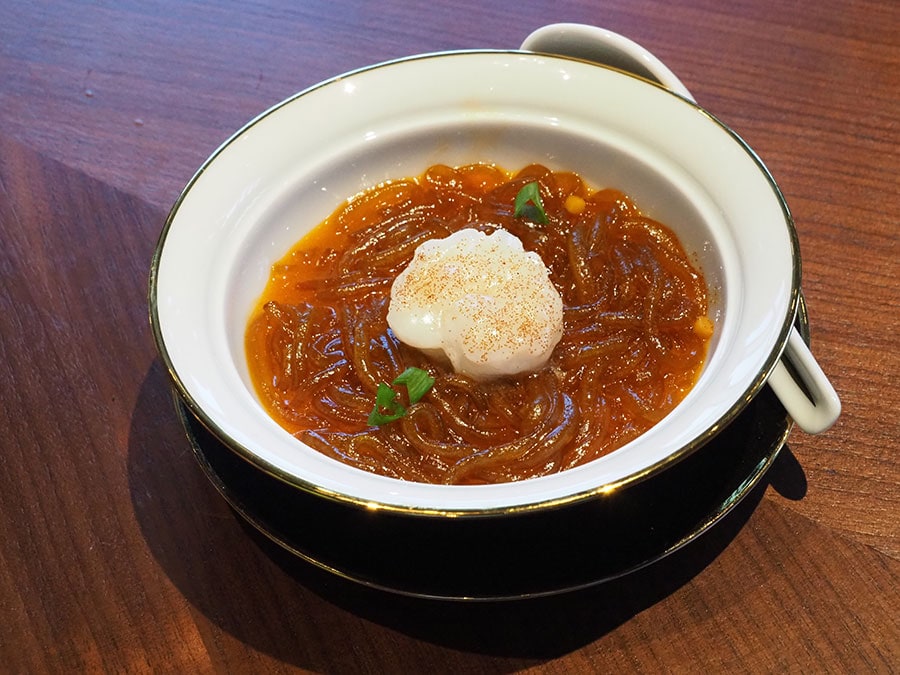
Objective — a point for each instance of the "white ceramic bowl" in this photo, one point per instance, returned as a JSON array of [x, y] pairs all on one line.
[[289, 168]]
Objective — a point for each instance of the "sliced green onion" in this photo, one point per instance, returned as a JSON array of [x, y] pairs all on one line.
[[387, 408], [529, 205], [417, 382]]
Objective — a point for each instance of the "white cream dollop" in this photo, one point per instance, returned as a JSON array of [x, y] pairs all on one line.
[[480, 300]]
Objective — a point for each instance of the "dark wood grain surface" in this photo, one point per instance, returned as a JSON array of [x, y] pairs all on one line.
[[116, 552]]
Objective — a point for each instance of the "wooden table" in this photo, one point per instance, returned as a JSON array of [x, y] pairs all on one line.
[[117, 554]]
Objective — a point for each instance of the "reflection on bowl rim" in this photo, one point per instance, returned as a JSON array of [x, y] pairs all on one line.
[[737, 406]]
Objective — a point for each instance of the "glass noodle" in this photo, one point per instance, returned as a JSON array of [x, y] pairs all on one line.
[[636, 331]]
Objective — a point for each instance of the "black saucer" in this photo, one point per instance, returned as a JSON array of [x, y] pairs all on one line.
[[508, 556]]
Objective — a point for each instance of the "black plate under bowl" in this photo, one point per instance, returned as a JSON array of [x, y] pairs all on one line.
[[507, 556]]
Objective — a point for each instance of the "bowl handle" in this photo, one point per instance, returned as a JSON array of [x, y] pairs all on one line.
[[815, 405], [603, 46]]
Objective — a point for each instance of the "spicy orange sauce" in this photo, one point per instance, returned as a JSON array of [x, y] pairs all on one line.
[[636, 331]]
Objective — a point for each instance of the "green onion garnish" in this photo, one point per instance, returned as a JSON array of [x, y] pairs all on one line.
[[387, 408], [529, 204], [417, 382]]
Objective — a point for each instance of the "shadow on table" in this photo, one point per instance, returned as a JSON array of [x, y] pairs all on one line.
[[224, 567]]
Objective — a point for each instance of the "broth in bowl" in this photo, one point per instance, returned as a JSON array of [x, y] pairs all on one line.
[[635, 330]]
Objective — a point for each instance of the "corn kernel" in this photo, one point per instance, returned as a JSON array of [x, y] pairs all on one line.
[[703, 327], [574, 204]]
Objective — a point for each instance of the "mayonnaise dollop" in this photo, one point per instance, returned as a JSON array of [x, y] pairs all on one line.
[[481, 301]]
